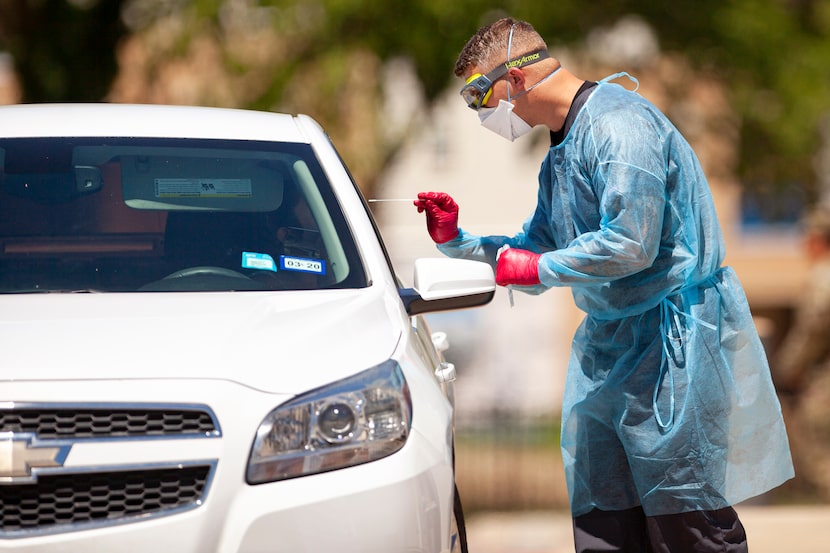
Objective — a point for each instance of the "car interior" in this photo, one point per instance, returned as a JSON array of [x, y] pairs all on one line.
[[162, 215]]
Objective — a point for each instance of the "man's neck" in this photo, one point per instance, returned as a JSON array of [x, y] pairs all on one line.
[[555, 98], [579, 99]]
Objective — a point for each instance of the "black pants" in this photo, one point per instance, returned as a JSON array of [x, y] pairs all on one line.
[[631, 531]]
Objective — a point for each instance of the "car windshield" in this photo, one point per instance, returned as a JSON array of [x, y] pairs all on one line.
[[156, 215]]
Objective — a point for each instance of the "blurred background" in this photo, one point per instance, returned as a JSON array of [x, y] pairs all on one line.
[[746, 81]]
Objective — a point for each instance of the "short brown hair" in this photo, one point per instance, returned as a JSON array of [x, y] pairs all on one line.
[[488, 47]]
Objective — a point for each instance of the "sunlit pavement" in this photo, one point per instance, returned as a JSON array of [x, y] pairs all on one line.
[[794, 529]]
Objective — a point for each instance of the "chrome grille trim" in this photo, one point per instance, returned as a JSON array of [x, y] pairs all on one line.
[[97, 421], [57, 499]]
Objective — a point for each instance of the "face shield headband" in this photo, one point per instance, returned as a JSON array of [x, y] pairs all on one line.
[[478, 88]]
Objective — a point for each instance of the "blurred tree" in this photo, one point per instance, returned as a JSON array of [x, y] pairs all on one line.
[[339, 60], [772, 56], [62, 50]]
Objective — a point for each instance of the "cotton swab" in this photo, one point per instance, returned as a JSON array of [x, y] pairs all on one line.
[[372, 200]]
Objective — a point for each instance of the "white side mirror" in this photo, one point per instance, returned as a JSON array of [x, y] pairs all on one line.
[[437, 278], [444, 283]]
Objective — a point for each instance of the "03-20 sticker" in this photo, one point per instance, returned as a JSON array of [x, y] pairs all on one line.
[[302, 264]]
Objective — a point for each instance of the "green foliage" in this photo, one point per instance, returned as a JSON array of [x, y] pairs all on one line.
[[773, 55]]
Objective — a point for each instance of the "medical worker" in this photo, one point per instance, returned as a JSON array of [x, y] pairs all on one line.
[[669, 415]]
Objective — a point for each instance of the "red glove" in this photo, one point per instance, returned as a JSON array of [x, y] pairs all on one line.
[[442, 215], [517, 267]]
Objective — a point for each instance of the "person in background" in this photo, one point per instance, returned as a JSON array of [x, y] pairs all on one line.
[[807, 344], [801, 365], [669, 415]]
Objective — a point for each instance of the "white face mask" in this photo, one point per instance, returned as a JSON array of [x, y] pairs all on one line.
[[502, 121]]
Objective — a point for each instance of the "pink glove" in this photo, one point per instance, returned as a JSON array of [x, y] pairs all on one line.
[[442, 215], [517, 267]]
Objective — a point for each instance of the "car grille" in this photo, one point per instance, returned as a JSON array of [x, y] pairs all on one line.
[[56, 501], [106, 423], [60, 499]]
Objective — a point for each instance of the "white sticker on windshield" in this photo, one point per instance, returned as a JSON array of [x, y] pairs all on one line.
[[261, 261], [203, 188], [303, 264]]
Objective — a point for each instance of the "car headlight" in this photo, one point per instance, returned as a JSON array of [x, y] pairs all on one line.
[[353, 421]]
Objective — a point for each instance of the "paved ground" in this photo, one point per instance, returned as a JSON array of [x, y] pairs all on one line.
[[801, 529]]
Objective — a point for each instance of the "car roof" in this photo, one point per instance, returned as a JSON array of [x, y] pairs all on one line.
[[156, 121]]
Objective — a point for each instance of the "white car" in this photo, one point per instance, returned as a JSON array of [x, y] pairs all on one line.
[[204, 347]]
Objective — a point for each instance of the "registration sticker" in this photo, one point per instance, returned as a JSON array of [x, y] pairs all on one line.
[[303, 264], [261, 261]]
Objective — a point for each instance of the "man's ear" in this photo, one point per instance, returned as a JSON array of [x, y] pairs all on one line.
[[516, 78]]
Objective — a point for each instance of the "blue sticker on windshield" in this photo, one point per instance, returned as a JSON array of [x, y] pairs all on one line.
[[260, 261], [302, 264]]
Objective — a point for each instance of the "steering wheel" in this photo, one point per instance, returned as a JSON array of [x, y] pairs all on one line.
[[206, 270]]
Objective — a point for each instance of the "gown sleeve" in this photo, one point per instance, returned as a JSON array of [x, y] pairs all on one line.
[[624, 160]]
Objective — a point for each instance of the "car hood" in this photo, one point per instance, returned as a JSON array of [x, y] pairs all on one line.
[[276, 342]]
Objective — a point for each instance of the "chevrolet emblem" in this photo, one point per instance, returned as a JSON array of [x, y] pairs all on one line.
[[21, 456]]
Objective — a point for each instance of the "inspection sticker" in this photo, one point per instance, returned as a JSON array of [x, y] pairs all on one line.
[[261, 261], [203, 188], [303, 264]]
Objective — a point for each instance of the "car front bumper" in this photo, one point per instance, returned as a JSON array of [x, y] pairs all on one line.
[[402, 503]]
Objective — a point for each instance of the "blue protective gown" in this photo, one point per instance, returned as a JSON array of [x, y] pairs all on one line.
[[668, 402]]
